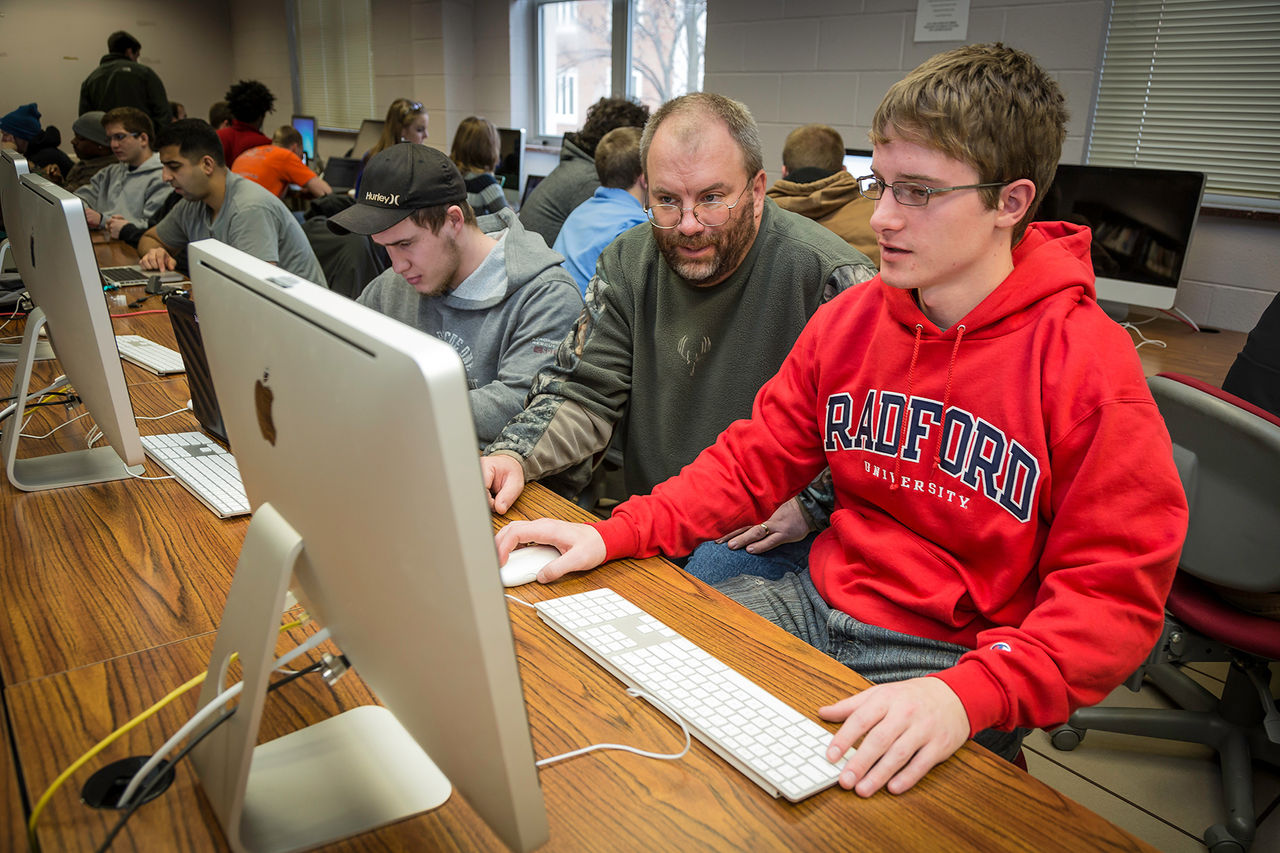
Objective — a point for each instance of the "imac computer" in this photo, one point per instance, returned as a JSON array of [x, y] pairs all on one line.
[[1142, 221], [306, 126], [510, 169], [57, 265], [354, 437], [857, 161], [12, 167]]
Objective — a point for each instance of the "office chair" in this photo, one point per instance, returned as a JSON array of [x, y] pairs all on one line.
[[1228, 455]]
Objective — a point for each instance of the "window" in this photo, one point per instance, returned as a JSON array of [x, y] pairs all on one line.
[[566, 95], [332, 61], [664, 40], [1194, 84]]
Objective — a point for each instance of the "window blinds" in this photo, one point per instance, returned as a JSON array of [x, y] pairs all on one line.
[[1194, 84], [334, 61]]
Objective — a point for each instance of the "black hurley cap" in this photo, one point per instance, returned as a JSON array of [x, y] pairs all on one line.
[[396, 182]]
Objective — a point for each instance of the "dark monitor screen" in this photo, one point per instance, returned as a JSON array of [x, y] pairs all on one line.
[[510, 168], [1142, 221], [306, 125]]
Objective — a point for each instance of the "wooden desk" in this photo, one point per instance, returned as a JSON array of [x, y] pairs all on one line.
[[112, 594]]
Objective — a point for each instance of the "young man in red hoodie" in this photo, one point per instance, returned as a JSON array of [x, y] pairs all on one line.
[[1008, 516]]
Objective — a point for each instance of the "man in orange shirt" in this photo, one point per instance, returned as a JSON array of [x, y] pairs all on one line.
[[279, 164]]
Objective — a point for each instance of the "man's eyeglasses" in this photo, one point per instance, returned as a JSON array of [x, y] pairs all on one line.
[[709, 213], [121, 137], [910, 193]]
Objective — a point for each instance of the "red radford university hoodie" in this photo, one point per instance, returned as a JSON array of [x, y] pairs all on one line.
[[1006, 484]]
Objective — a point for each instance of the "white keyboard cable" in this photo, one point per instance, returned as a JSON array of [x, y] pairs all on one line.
[[208, 711], [639, 694]]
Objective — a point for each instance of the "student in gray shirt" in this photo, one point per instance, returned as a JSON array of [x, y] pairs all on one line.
[[488, 287], [219, 203]]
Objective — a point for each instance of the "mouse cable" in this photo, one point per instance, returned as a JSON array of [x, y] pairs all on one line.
[[112, 738], [226, 714], [631, 691], [208, 711]]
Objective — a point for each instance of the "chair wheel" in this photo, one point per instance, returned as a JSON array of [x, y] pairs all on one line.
[[1219, 840], [1066, 737]]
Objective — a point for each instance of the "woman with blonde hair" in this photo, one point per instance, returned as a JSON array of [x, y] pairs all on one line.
[[406, 122], [475, 152]]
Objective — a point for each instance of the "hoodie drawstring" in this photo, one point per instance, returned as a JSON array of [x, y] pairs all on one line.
[[946, 397], [902, 430]]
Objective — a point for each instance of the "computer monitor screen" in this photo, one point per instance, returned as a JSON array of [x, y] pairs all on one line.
[[61, 275], [510, 168], [370, 132], [306, 126], [356, 430], [1142, 222], [857, 161]]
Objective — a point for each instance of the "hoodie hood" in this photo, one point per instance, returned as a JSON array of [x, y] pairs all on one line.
[[1051, 261], [525, 256], [816, 199]]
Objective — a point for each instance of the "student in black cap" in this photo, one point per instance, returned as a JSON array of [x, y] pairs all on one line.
[[488, 287]]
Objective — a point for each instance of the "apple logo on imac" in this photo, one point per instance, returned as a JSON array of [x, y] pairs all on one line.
[[263, 397]]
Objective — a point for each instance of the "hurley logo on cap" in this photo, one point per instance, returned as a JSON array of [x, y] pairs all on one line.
[[382, 198]]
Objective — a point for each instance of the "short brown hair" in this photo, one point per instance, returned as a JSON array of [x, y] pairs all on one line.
[[475, 145], [736, 117], [433, 217], [987, 105], [287, 136], [132, 120], [618, 158], [814, 146]]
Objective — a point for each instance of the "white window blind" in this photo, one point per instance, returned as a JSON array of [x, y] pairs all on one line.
[[334, 61], [1194, 84]]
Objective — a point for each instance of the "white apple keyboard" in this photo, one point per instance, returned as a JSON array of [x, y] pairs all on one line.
[[204, 467], [146, 353], [771, 743]]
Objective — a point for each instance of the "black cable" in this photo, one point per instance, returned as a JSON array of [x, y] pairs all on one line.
[[151, 781]]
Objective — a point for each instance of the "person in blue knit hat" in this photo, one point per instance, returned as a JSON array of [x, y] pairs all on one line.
[[39, 145]]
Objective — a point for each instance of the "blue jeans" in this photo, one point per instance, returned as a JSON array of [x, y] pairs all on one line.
[[712, 563]]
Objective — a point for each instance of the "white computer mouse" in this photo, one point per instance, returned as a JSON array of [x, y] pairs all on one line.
[[523, 564]]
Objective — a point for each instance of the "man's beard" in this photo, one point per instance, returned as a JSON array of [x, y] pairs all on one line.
[[730, 241]]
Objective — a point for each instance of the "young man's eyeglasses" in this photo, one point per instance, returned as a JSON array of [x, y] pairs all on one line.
[[121, 137], [910, 193], [709, 213]]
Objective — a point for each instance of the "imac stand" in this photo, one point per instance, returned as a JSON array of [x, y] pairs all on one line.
[[69, 468], [343, 776]]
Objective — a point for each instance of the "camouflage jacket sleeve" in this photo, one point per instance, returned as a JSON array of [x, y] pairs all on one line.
[[818, 498], [575, 402]]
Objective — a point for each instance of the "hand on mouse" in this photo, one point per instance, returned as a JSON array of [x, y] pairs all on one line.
[[580, 546]]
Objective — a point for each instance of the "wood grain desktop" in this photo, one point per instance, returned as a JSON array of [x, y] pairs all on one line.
[[113, 594]]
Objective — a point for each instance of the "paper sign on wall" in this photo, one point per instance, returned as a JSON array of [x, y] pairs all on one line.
[[942, 20]]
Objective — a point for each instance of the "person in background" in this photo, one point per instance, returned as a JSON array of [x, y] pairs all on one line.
[[134, 188], [89, 141], [120, 80], [990, 565], [220, 115], [406, 122], [487, 287], [279, 164], [574, 179], [220, 204], [1255, 373], [21, 128], [177, 110], [250, 101], [815, 184], [618, 204], [475, 152]]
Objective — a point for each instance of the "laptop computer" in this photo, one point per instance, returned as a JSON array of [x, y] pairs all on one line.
[[341, 172]]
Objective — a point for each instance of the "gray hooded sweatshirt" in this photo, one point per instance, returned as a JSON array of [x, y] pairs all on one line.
[[505, 320], [135, 194]]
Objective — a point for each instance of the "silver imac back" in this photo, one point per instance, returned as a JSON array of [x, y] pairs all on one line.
[[354, 437], [57, 265]]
